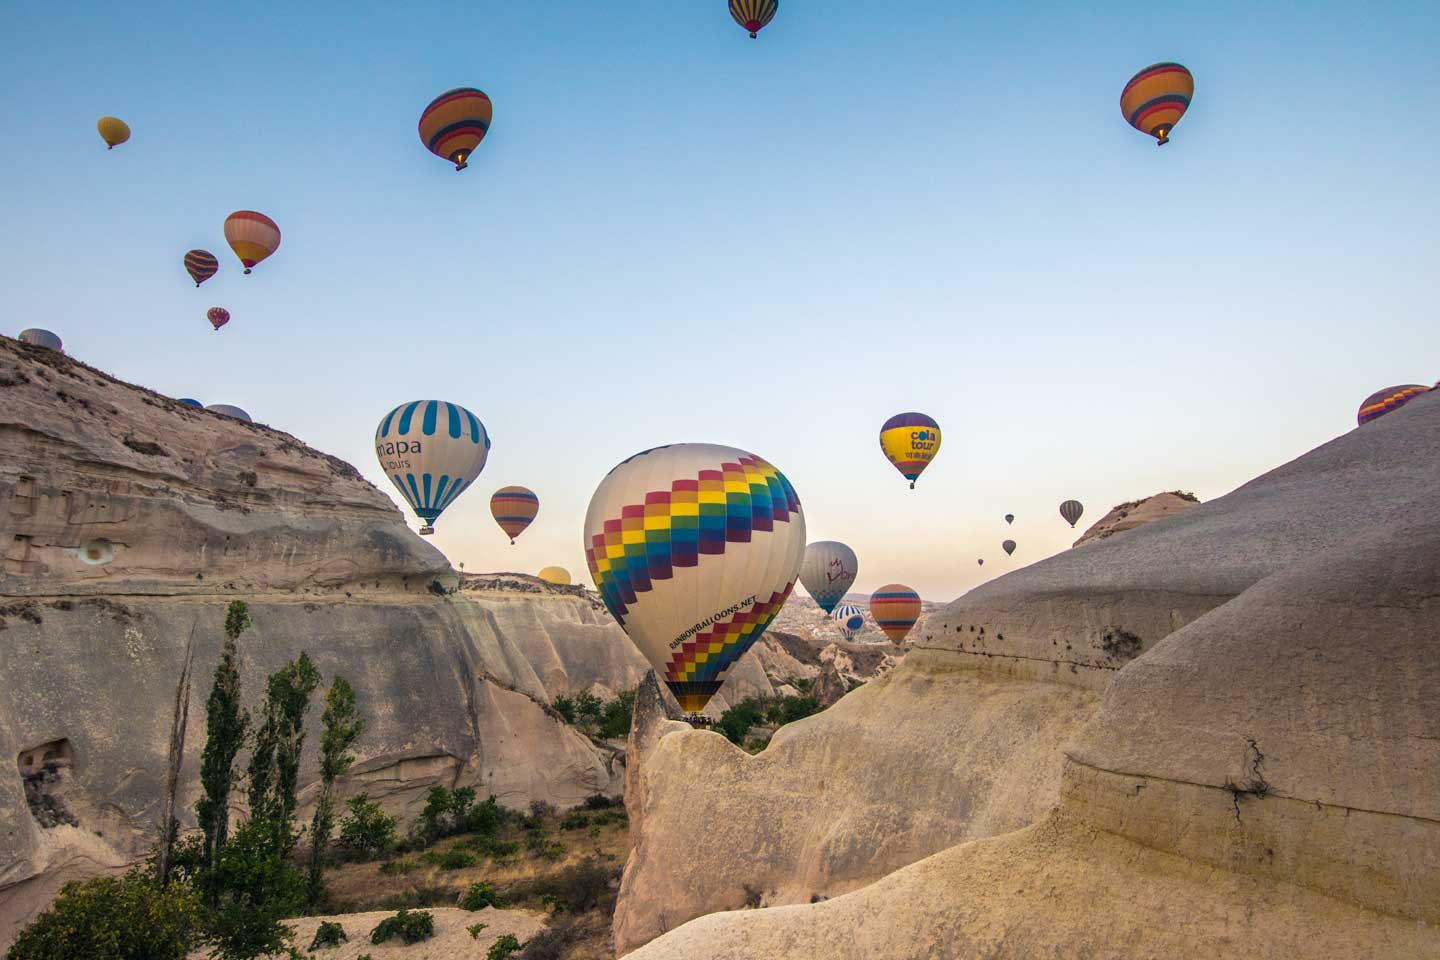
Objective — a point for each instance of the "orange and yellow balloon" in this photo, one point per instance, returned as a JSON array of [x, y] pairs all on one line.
[[895, 608], [1156, 98], [513, 509], [556, 575], [454, 123], [253, 236], [113, 131]]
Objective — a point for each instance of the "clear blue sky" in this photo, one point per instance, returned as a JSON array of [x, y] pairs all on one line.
[[676, 233]]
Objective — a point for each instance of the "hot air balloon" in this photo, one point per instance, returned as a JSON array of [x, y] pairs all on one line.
[[432, 451], [895, 608], [827, 572], [753, 14], [513, 508], [113, 131], [226, 410], [1009, 547], [190, 402], [41, 338], [218, 317], [980, 562], [556, 575], [454, 123], [1156, 98], [253, 236], [1382, 402], [1071, 511], [694, 548], [850, 619], [201, 265], [1009, 518], [910, 441]]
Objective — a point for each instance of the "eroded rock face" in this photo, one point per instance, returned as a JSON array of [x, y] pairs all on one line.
[[1137, 513]]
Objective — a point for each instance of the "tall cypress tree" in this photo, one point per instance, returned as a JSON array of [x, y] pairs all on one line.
[[275, 759], [342, 727], [225, 725]]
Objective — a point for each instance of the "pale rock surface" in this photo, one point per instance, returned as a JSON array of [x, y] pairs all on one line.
[[1136, 513]]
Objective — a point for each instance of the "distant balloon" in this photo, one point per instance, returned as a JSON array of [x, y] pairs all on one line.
[[1009, 547], [201, 265], [895, 608], [1009, 518], [432, 451], [513, 508], [556, 575], [694, 549], [41, 338], [113, 131], [1382, 402], [253, 236], [1156, 98], [190, 402], [753, 14], [827, 572], [218, 317], [850, 619], [910, 441], [1071, 511], [454, 123], [226, 410], [981, 561]]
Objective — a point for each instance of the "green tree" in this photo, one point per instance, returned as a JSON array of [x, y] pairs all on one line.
[[368, 831], [565, 706], [587, 709], [275, 758], [342, 727], [225, 725], [257, 887], [132, 917], [736, 722], [615, 716]]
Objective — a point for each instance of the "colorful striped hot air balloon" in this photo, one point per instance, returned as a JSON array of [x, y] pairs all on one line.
[[513, 508], [827, 572], [113, 131], [432, 451], [218, 317], [753, 14], [253, 236], [1382, 402], [910, 441], [895, 608], [201, 265], [1156, 98], [694, 548], [454, 123], [556, 575], [849, 618], [1071, 511]]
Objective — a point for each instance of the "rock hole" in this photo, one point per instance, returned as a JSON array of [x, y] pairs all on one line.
[[97, 552], [45, 769]]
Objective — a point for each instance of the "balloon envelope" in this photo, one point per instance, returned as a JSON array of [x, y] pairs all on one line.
[[694, 548], [189, 402], [1071, 511], [1009, 547], [113, 131], [556, 575], [895, 608], [226, 410], [201, 265], [513, 508], [253, 236], [910, 441], [1009, 518], [1382, 402], [218, 317], [454, 123], [41, 338], [1156, 98], [753, 14], [432, 451], [850, 619], [827, 572]]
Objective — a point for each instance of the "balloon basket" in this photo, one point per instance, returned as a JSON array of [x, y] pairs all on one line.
[[698, 720], [426, 530]]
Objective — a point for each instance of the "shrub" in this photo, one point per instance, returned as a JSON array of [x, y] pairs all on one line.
[[615, 716], [574, 820], [257, 887], [565, 706], [797, 708], [554, 942], [574, 889], [328, 934], [409, 927], [400, 866], [437, 811], [455, 858], [114, 918], [427, 895], [588, 709], [479, 896], [737, 721], [493, 847], [485, 818], [598, 801], [474, 930], [367, 832], [503, 947]]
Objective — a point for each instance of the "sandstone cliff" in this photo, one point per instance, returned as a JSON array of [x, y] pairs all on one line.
[[1137, 513], [1260, 778]]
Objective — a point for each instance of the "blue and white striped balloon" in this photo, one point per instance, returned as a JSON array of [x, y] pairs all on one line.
[[432, 451], [850, 618]]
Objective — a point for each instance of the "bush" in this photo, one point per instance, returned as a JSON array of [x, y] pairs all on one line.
[[503, 947], [493, 847], [409, 927], [565, 706], [554, 942], [574, 820], [616, 715], [453, 859], [114, 918], [430, 895], [796, 708], [398, 867], [598, 801], [328, 934], [737, 721], [479, 896], [257, 887], [485, 818], [367, 832], [474, 930], [588, 709], [575, 889], [433, 819]]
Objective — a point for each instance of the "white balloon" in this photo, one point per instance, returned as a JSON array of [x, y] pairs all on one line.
[[850, 619], [694, 548], [432, 451], [828, 571]]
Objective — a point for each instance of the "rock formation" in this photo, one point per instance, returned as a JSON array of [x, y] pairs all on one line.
[[1137, 513], [1256, 775]]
